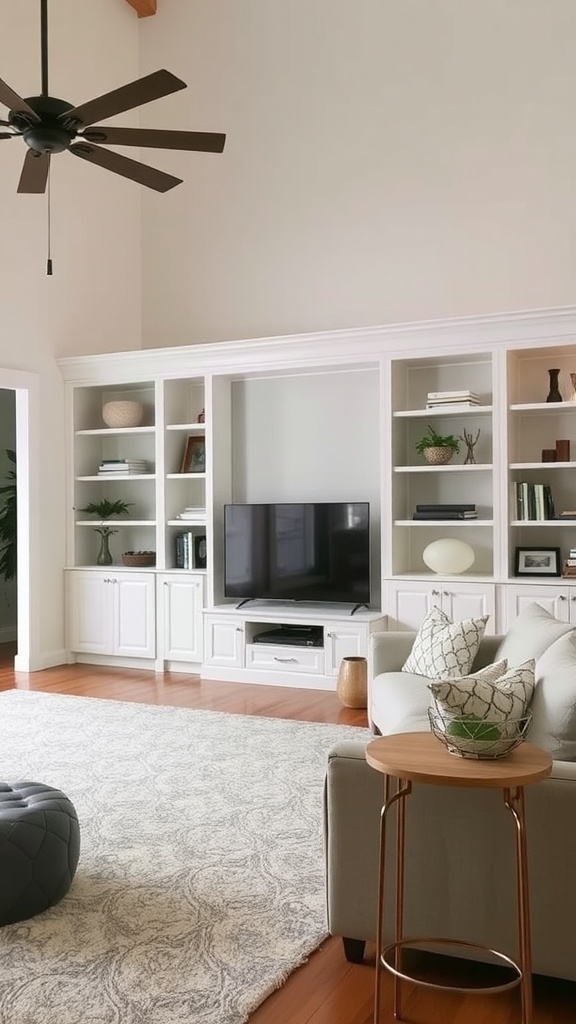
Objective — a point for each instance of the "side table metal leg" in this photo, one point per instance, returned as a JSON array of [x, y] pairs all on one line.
[[514, 800], [389, 801]]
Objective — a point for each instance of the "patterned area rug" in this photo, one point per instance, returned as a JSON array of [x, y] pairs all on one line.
[[200, 886]]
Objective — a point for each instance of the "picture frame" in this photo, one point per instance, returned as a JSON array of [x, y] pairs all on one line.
[[194, 458], [199, 551], [531, 561]]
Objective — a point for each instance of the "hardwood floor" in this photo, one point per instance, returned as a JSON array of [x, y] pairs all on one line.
[[327, 989]]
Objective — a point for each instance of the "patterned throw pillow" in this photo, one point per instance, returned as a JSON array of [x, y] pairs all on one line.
[[444, 649], [480, 696]]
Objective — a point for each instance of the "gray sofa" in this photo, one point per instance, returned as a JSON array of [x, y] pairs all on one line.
[[460, 853]]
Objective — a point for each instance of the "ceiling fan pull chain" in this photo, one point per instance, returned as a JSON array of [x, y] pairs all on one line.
[[49, 223]]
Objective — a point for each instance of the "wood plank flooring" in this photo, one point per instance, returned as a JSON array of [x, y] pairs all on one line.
[[327, 989]]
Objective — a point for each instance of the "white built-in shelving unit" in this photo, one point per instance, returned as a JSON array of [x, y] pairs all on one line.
[[355, 439]]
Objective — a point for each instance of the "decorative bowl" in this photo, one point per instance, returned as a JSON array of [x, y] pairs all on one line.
[[438, 456], [139, 558], [123, 414], [481, 739]]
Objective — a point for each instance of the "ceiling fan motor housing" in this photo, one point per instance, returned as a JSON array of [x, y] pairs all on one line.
[[49, 134]]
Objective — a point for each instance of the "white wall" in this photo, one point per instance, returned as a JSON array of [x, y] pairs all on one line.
[[92, 302], [385, 161]]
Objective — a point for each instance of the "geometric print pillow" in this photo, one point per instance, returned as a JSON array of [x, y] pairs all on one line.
[[488, 699], [444, 649]]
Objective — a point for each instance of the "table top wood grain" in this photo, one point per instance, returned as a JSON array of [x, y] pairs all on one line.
[[420, 757]]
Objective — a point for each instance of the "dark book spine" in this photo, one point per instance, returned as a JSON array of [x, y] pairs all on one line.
[[446, 508]]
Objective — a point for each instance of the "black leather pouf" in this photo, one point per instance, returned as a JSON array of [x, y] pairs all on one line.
[[39, 848]]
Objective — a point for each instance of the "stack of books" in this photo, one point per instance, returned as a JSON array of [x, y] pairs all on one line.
[[463, 399], [570, 564], [122, 466], [192, 512], [449, 511], [534, 501]]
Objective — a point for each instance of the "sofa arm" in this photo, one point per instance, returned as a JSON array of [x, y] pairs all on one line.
[[353, 796], [387, 652]]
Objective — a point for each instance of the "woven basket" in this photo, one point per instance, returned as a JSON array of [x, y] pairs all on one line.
[[478, 739], [438, 456], [139, 558]]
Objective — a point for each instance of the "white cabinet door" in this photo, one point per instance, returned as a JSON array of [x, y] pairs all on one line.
[[469, 601], [182, 599], [111, 613], [556, 600], [223, 641], [408, 603], [344, 641], [90, 610], [134, 616]]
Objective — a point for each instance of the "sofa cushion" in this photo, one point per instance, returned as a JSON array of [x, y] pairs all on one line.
[[531, 634], [554, 703], [399, 702], [444, 649], [491, 694]]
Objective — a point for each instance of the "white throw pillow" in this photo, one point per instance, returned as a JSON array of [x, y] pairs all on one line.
[[532, 633], [487, 695], [554, 703], [444, 649]]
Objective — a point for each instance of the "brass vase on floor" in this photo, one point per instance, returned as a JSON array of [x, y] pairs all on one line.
[[352, 682]]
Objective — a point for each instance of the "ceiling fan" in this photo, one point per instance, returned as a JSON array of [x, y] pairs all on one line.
[[49, 125]]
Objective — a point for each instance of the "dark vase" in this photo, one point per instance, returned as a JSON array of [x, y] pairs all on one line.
[[554, 392], [104, 555]]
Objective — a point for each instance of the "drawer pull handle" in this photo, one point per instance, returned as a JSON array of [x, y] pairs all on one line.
[[292, 660]]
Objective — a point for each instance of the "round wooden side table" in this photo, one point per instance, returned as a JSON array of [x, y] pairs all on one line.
[[405, 758]]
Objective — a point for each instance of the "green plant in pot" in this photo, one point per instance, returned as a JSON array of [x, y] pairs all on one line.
[[105, 509], [8, 549], [437, 448]]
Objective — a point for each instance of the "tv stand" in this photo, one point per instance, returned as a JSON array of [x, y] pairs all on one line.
[[235, 649]]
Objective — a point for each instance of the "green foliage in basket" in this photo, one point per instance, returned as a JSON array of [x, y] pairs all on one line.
[[474, 728], [433, 440]]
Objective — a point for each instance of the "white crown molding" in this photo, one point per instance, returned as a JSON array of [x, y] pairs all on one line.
[[344, 347]]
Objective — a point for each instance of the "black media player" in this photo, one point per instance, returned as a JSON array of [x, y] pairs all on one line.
[[293, 636]]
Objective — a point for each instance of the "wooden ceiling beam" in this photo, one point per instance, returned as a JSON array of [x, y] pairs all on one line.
[[143, 7]]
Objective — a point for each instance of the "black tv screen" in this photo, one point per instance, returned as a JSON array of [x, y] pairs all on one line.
[[298, 552]]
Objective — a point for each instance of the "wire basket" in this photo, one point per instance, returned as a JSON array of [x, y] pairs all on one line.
[[139, 559], [481, 739]]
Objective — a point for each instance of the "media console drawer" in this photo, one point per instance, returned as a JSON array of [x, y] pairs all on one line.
[[286, 658]]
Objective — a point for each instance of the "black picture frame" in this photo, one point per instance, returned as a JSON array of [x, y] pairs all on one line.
[[537, 561], [200, 551]]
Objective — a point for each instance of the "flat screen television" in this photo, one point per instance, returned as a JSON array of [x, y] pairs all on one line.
[[298, 552]]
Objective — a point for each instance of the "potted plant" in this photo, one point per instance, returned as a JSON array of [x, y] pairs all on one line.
[[105, 509], [437, 448], [8, 523]]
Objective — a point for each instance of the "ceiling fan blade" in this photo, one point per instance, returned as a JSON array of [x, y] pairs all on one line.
[[135, 94], [149, 176], [205, 142], [34, 176], [15, 102]]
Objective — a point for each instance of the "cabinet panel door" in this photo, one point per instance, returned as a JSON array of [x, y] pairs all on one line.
[[553, 599], [344, 642], [90, 608], [135, 615], [469, 601], [224, 642], [183, 601], [407, 604]]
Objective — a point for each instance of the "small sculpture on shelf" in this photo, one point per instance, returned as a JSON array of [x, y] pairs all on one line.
[[470, 443], [554, 394]]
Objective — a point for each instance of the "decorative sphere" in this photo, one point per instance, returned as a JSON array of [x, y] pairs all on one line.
[[123, 414], [448, 556]]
